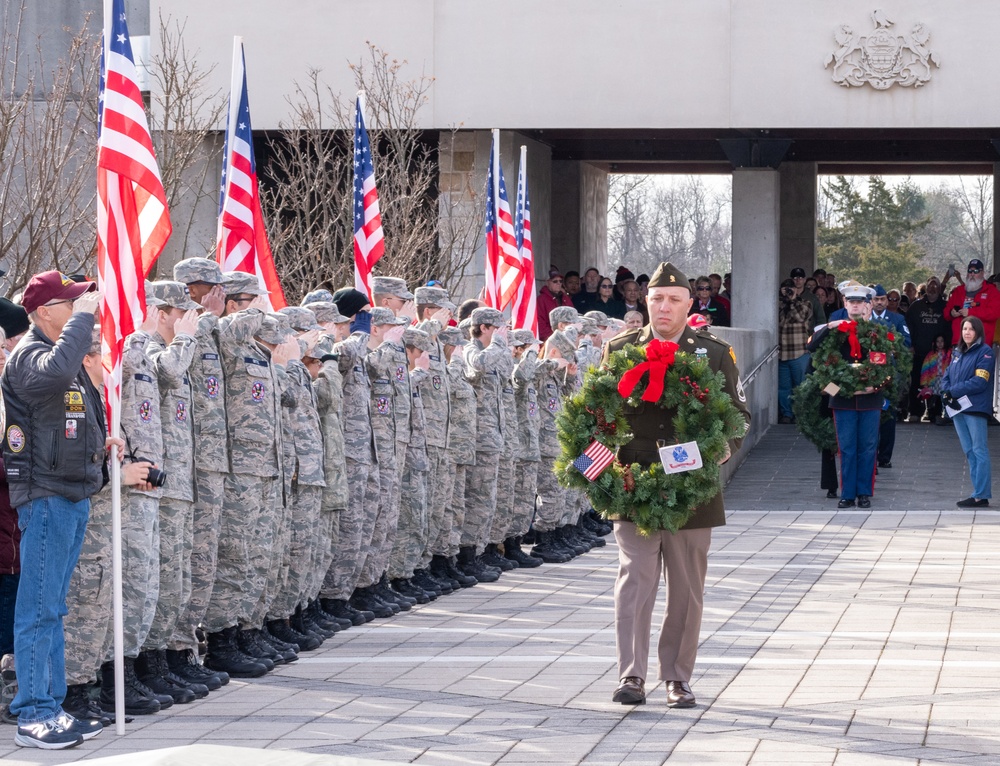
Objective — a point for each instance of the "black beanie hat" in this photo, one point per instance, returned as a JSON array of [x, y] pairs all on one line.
[[350, 301], [13, 318]]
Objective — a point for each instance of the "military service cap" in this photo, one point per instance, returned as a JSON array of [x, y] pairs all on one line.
[[563, 314], [451, 336], [668, 275], [522, 338], [173, 294], [855, 291], [589, 327], [301, 319], [598, 317], [465, 327], [417, 339], [327, 312], [317, 296], [239, 282], [192, 270], [151, 300], [274, 329], [561, 343], [323, 347], [391, 286], [486, 315], [382, 315], [434, 296]]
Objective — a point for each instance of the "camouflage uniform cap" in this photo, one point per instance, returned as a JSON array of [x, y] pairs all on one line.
[[274, 329], [301, 319], [317, 296], [452, 336], [327, 312], [391, 286], [434, 296], [174, 294], [465, 327], [198, 270], [599, 318], [237, 282], [562, 344], [589, 327], [382, 315], [488, 316], [417, 339], [151, 300], [522, 338], [323, 347], [563, 314], [668, 275]]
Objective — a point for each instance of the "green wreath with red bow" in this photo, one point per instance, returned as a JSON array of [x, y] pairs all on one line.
[[675, 381]]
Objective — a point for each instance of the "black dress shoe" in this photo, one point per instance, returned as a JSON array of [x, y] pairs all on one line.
[[832, 493], [885, 464], [846, 503], [864, 501], [630, 691], [971, 502], [679, 694]]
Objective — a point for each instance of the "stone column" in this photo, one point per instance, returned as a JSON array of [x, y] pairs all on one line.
[[756, 238], [798, 217], [579, 216], [991, 268]]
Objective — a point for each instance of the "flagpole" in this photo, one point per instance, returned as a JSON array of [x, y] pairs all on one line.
[[495, 202], [234, 105], [114, 401]]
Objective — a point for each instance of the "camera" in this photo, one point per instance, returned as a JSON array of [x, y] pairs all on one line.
[[156, 477], [788, 292]]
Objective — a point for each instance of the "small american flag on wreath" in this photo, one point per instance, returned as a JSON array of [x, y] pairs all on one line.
[[594, 460]]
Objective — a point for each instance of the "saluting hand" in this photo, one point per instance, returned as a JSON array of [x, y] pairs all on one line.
[[214, 301], [259, 302], [88, 303], [395, 334], [187, 324], [442, 316]]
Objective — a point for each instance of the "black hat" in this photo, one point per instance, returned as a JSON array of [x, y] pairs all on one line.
[[350, 301], [668, 275], [13, 318], [975, 263], [797, 273]]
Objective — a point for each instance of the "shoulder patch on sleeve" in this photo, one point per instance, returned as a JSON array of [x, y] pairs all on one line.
[[732, 354]]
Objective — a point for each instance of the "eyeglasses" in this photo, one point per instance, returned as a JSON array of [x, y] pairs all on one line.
[[975, 271], [57, 303], [606, 287], [703, 288], [893, 300]]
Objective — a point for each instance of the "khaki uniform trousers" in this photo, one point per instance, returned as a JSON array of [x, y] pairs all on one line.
[[682, 559]]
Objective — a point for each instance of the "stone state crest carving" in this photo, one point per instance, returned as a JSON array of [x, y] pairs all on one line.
[[883, 57]]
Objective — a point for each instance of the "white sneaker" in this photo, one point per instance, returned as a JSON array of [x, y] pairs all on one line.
[[47, 735]]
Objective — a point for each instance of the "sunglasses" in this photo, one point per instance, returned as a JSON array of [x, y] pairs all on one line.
[[893, 300], [703, 288], [606, 287], [975, 271]]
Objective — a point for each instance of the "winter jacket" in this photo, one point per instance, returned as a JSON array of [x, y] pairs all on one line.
[[971, 374]]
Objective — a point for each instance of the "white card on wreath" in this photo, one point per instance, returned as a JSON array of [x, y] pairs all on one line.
[[678, 458]]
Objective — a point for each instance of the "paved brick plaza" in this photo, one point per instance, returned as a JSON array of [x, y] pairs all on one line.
[[847, 638]]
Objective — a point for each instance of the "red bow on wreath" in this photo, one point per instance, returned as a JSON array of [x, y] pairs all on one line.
[[659, 357], [851, 328]]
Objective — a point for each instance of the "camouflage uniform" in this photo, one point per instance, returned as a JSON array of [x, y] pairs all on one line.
[[507, 485], [461, 455], [177, 503], [306, 493], [140, 423], [211, 451], [485, 367], [528, 456], [353, 527], [247, 525], [553, 384], [329, 388], [391, 396]]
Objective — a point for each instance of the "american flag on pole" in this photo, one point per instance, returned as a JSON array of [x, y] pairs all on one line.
[[369, 244], [242, 238], [503, 267], [594, 460], [525, 313], [133, 224]]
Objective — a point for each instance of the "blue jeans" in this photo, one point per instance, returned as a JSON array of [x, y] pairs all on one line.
[[8, 598], [857, 440], [790, 375], [971, 430], [51, 536]]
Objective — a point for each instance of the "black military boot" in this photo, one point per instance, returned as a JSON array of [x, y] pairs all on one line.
[[139, 699], [438, 572], [183, 663], [223, 654], [317, 616], [512, 550], [491, 557], [303, 622], [338, 607], [588, 536], [387, 594], [282, 647], [283, 631], [471, 565], [79, 705], [565, 535], [266, 656], [317, 606], [364, 600], [546, 550], [452, 570], [430, 583], [157, 676]]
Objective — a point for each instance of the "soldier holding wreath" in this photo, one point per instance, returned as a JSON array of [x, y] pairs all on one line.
[[663, 525]]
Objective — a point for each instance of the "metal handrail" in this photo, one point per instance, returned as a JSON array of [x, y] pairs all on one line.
[[753, 373]]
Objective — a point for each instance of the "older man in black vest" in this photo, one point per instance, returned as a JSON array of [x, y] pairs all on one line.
[[681, 557]]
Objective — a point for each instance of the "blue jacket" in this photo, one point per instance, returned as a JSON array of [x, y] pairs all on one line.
[[971, 374], [897, 323]]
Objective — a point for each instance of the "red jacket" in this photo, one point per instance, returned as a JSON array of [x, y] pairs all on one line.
[[985, 304], [10, 533], [546, 302]]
